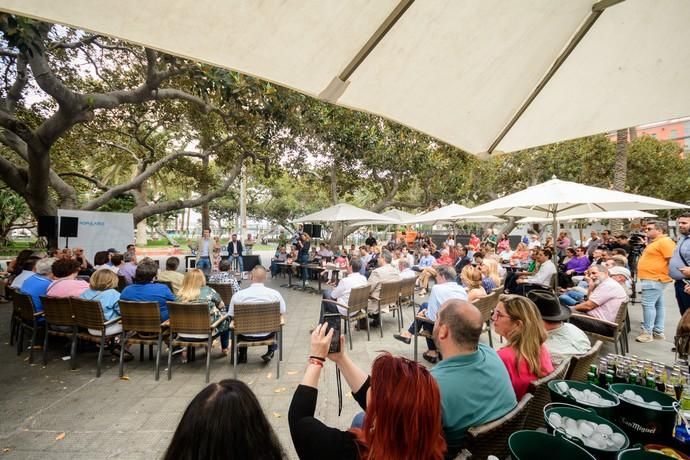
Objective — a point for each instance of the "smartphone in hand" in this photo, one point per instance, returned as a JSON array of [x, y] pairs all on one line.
[[333, 321]]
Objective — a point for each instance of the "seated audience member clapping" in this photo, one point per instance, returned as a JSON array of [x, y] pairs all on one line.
[[194, 290], [145, 290], [525, 356], [102, 287], [65, 282], [224, 421], [397, 425]]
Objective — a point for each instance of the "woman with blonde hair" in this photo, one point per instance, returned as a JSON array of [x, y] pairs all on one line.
[[471, 278], [521, 254], [194, 290], [525, 356], [490, 277]]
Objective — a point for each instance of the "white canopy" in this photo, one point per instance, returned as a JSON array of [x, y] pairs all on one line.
[[400, 217], [558, 198], [344, 212], [480, 75], [592, 216], [449, 215]]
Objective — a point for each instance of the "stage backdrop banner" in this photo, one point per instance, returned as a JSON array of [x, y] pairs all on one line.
[[99, 231]]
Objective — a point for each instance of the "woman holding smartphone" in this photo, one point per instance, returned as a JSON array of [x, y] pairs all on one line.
[[407, 424]]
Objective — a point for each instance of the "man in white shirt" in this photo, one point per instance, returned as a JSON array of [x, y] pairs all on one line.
[[542, 278], [405, 270], [445, 289], [257, 293], [341, 293]]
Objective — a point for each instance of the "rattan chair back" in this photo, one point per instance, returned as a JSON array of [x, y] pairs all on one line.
[[256, 318], [191, 318], [579, 365], [88, 313], [541, 396], [224, 290], [407, 287], [25, 305], [492, 438], [389, 292], [140, 316], [359, 298], [486, 305], [58, 311]]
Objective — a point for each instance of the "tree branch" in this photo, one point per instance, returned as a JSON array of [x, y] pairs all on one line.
[[141, 213], [93, 180], [76, 44], [13, 176], [15, 91]]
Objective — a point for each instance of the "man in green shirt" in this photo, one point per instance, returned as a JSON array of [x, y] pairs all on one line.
[[474, 383]]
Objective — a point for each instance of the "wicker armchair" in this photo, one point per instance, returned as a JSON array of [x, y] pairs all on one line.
[[88, 314], [29, 319], [619, 334], [579, 365], [389, 295], [492, 438], [59, 322], [541, 396], [356, 309], [406, 298], [257, 318], [15, 319], [486, 307], [191, 318], [224, 290], [141, 324]]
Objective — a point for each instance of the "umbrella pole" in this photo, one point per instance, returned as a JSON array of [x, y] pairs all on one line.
[[554, 256]]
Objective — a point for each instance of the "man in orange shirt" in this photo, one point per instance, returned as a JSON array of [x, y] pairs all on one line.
[[652, 270]]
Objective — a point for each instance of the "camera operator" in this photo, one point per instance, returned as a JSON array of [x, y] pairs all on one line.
[[653, 271], [679, 267]]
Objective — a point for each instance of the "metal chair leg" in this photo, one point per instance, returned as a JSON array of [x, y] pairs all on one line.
[[73, 350], [416, 334], [348, 331], [235, 357], [278, 360], [122, 354], [100, 354], [141, 352], [157, 367], [150, 352], [170, 347], [20, 340], [33, 342], [45, 348], [209, 347], [380, 322]]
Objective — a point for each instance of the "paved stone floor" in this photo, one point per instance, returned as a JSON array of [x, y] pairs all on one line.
[[53, 412]]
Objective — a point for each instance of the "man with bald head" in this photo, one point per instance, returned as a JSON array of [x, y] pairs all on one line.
[[474, 383]]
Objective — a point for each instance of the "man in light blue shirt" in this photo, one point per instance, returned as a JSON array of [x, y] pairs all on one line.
[[445, 289], [427, 260], [679, 265], [474, 383], [257, 293]]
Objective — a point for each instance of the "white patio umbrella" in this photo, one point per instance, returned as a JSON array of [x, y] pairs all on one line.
[[344, 212], [400, 217], [592, 216], [556, 199], [481, 75], [450, 214]]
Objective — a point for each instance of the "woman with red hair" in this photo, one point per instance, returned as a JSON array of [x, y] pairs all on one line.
[[402, 403]]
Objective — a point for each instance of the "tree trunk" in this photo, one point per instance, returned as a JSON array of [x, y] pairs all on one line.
[[205, 219], [620, 172], [142, 238]]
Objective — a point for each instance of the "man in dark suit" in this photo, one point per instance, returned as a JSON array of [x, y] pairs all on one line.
[[235, 251]]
